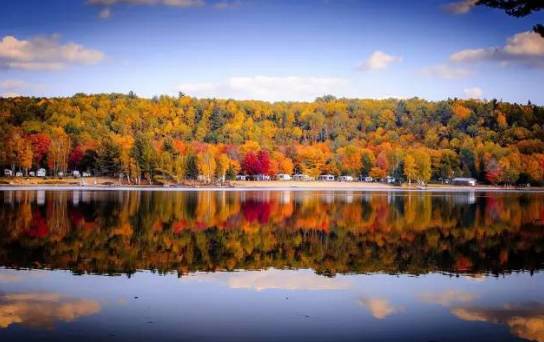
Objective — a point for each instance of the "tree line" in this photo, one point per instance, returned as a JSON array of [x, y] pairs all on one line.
[[178, 138]]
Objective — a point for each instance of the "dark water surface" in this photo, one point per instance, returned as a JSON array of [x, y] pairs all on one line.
[[306, 266]]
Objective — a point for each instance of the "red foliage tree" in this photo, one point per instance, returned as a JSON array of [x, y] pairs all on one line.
[[264, 162], [256, 163], [250, 164], [40, 146], [75, 157], [492, 171]]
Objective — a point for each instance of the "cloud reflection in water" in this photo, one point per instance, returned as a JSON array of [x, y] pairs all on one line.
[[525, 321], [43, 309]]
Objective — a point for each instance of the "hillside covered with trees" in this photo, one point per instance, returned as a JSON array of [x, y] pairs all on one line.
[[179, 138]]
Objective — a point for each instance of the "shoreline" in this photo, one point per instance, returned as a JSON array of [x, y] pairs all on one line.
[[270, 186]]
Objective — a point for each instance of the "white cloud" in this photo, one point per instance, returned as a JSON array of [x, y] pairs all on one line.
[[379, 60], [44, 53], [267, 88], [473, 93], [526, 48], [472, 55], [446, 71], [379, 308], [461, 7], [525, 44]]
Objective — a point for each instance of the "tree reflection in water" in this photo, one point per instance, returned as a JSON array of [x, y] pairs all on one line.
[[330, 232]]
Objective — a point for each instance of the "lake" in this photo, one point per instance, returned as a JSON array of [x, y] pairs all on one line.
[[269, 266]]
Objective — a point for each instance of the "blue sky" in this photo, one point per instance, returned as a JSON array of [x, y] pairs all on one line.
[[269, 49]]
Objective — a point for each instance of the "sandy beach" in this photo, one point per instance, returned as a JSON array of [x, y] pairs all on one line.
[[112, 184]]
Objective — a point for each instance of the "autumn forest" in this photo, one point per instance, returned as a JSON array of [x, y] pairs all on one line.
[[179, 138]]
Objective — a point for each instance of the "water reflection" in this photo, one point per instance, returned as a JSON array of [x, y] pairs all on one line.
[[269, 266], [448, 297], [270, 305], [380, 308], [525, 321], [42, 309], [274, 279], [121, 232]]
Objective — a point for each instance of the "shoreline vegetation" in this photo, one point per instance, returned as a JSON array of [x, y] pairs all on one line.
[[108, 183]]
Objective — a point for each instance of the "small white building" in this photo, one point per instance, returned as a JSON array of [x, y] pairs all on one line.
[[326, 178], [60, 174], [76, 174], [41, 173], [345, 179], [301, 177], [283, 177], [32, 174], [390, 180], [8, 173], [368, 179], [86, 174], [464, 181], [261, 177], [18, 174]]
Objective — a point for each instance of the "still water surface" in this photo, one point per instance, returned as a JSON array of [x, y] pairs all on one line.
[[235, 266]]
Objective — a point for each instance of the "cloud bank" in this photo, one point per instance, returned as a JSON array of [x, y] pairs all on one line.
[[525, 48], [44, 53]]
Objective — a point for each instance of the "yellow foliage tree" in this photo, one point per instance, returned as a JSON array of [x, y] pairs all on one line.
[[206, 164], [410, 168]]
